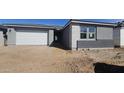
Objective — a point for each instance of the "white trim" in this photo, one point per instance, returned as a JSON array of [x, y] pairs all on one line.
[[87, 40]]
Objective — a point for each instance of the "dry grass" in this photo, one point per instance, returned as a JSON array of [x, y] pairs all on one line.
[[49, 59]]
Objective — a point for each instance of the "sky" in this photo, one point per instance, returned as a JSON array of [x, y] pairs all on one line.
[[60, 22]]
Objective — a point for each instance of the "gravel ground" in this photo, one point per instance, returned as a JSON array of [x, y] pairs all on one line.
[[43, 59]]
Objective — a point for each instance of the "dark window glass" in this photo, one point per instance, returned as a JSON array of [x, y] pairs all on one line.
[[83, 35]]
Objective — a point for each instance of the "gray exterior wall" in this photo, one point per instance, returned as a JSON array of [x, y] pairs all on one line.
[[11, 33], [50, 37], [104, 33], [1, 38], [96, 44], [104, 38], [66, 37], [116, 36]]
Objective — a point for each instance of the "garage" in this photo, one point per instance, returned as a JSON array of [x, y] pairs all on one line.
[[29, 37]]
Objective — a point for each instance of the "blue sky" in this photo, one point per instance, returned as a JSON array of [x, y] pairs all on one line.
[[51, 21]]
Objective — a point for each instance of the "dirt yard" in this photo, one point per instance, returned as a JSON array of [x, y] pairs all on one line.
[[50, 59]]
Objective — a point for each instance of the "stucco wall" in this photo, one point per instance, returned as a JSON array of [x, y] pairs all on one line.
[[1, 38], [104, 33], [122, 37], [116, 36], [50, 37], [75, 35], [11, 33]]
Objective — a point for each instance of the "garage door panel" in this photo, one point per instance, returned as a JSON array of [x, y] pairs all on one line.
[[31, 38]]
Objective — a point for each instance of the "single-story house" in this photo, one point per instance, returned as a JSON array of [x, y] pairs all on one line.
[[76, 34], [24, 34]]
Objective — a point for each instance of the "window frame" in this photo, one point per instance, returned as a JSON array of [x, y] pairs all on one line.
[[88, 33]]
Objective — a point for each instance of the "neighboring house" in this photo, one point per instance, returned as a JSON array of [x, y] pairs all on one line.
[[21, 34], [76, 34]]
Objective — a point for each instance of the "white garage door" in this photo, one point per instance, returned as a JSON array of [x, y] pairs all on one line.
[[31, 38]]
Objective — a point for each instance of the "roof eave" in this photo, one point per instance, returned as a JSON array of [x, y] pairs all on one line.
[[3, 27], [95, 23], [44, 27]]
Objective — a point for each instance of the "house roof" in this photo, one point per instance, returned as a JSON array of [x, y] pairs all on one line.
[[2, 27], [77, 21], [90, 23], [33, 26], [120, 24]]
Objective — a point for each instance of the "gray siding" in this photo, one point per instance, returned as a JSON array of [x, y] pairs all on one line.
[[51, 37], [11, 36], [104, 33], [95, 44], [66, 37]]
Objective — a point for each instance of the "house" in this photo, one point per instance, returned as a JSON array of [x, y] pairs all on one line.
[[79, 34], [24, 34], [76, 34]]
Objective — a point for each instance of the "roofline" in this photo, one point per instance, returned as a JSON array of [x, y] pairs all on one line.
[[24, 25], [3, 27], [95, 23], [89, 23], [77, 21], [55, 27]]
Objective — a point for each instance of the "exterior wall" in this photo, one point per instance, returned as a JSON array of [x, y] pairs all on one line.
[[122, 37], [96, 44], [66, 37], [104, 38], [11, 33], [50, 37], [75, 36], [1, 38], [116, 36], [104, 33]]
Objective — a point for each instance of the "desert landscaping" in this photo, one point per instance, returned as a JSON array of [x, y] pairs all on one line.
[[43, 59]]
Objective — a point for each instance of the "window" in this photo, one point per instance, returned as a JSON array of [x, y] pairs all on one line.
[[83, 34], [92, 32], [88, 32]]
